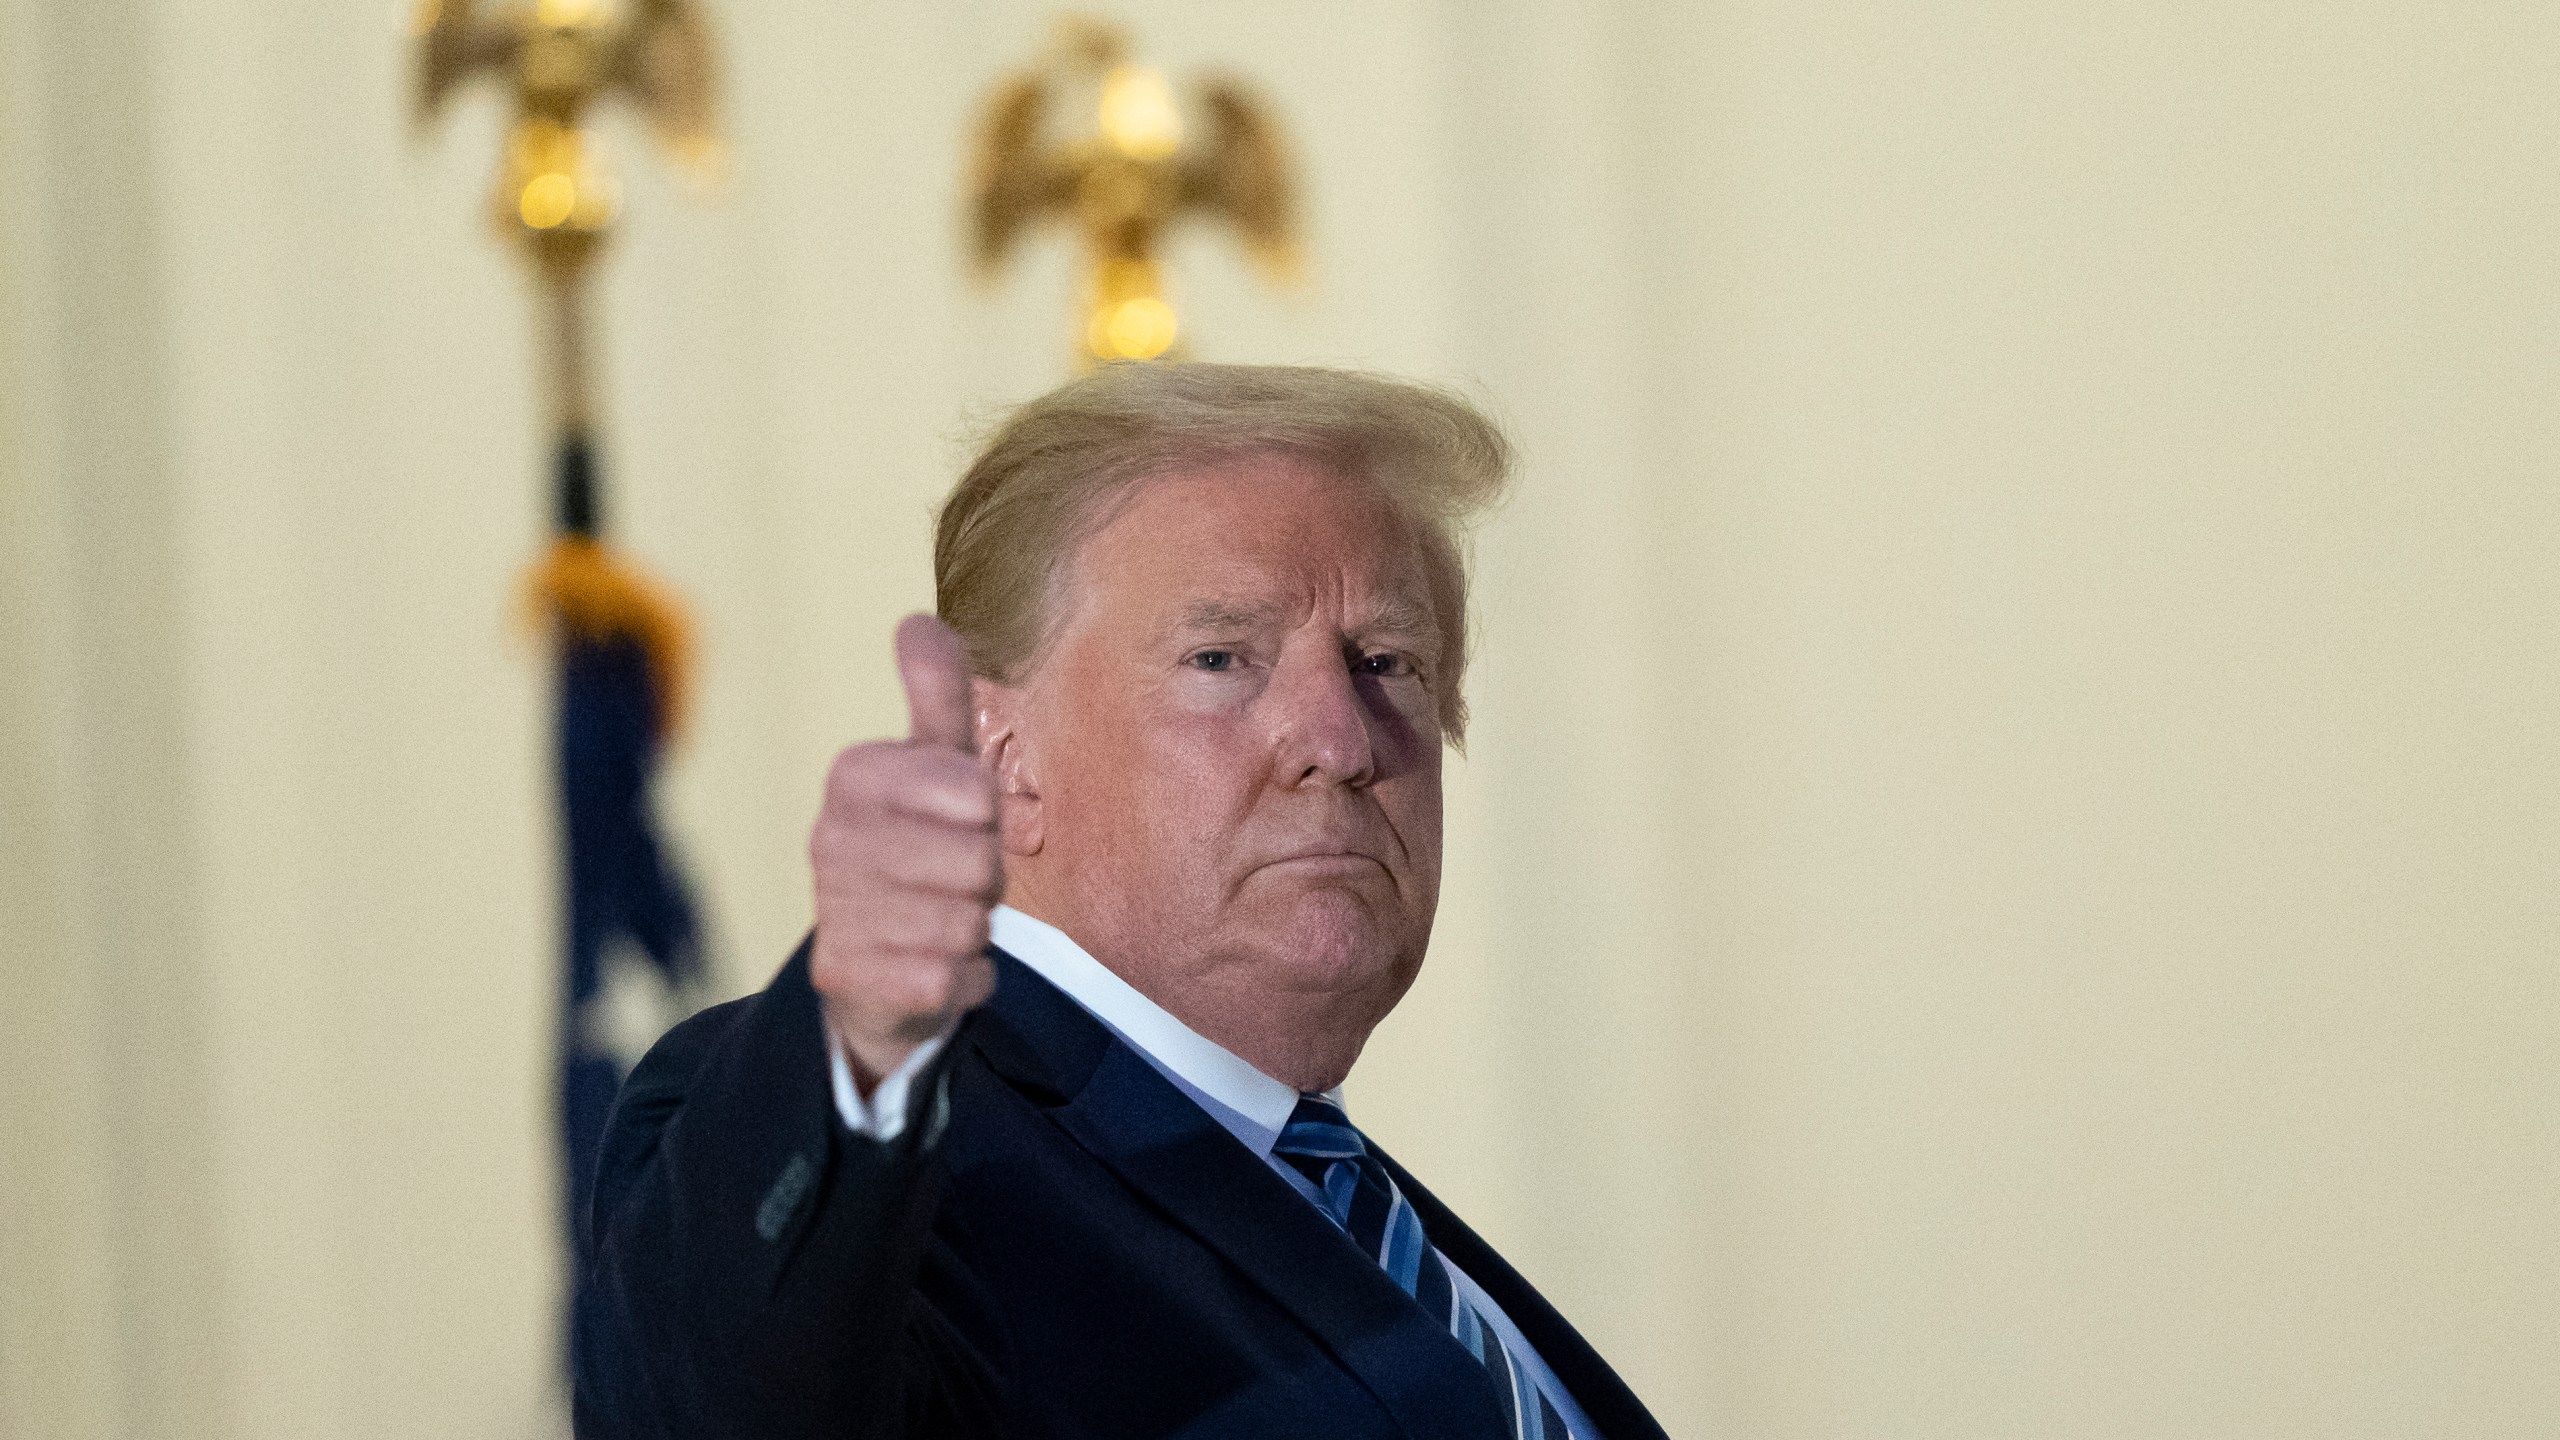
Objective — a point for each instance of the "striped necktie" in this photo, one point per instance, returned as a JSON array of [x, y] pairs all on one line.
[[1320, 1143]]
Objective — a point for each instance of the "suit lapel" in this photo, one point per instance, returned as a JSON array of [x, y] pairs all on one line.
[[1131, 1119], [1613, 1408]]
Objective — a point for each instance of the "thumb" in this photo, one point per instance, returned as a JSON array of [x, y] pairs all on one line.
[[934, 668]]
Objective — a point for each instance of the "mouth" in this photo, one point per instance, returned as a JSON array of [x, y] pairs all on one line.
[[1327, 864]]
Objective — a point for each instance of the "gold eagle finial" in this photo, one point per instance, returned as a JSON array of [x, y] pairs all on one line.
[[557, 58], [1124, 183]]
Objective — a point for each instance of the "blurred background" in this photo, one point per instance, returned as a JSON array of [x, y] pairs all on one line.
[[2006, 881]]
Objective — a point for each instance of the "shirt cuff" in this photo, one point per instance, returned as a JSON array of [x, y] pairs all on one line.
[[884, 1116]]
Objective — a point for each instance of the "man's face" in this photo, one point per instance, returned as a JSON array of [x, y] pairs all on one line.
[[1234, 756]]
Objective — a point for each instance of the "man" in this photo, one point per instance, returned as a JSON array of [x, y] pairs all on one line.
[[1076, 1163]]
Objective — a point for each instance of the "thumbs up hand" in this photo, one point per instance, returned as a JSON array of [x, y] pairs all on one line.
[[907, 865]]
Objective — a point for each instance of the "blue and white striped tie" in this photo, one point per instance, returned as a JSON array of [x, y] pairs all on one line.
[[1322, 1145]]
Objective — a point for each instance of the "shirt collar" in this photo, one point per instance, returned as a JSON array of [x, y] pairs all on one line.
[[1252, 1106]]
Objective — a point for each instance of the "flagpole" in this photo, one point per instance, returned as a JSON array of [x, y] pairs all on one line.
[[577, 504], [620, 640]]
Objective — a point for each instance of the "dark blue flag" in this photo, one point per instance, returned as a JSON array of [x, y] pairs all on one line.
[[622, 646]]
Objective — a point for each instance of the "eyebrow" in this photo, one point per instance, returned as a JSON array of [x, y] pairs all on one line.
[[1403, 615], [1227, 615], [1394, 614]]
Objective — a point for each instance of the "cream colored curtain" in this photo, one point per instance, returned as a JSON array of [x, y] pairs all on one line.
[[2003, 883]]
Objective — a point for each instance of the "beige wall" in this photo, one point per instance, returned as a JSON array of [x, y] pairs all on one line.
[[2004, 884]]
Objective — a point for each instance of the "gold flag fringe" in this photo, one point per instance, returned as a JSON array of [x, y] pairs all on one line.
[[585, 590]]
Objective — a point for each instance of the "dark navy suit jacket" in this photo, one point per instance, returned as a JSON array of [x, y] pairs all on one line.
[[1060, 1244]]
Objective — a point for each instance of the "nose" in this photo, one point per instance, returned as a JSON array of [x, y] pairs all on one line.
[[1320, 724]]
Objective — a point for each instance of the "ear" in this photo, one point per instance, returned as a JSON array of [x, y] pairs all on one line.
[[997, 711]]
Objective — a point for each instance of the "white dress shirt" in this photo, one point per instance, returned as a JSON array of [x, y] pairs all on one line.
[[1252, 1106]]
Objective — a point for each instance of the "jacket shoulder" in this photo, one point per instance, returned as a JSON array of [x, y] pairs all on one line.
[[655, 1089]]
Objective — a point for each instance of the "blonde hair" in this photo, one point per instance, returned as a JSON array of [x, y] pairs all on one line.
[[1046, 476]]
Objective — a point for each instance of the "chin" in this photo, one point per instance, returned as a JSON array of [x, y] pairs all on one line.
[[1334, 941]]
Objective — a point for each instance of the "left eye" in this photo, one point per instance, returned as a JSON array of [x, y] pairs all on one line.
[[1385, 663], [1214, 661]]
